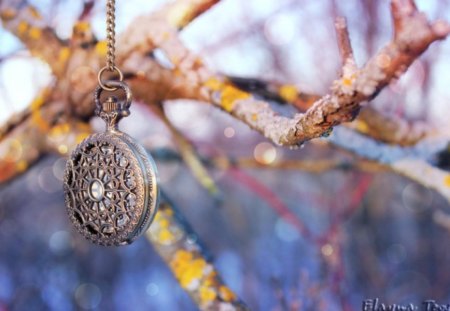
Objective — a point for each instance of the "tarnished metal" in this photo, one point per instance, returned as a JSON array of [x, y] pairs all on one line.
[[110, 181]]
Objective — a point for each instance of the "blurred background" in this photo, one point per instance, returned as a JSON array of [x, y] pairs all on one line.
[[282, 239]]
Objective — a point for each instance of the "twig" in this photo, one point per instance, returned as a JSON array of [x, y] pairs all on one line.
[[343, 39], [271, 198], [189, 155], [182, 12]]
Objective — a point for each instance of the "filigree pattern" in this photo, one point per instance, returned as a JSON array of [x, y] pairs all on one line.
[[105, 187], [110, 187]]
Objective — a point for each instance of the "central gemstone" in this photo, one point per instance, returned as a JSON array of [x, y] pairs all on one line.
[[96, 190]]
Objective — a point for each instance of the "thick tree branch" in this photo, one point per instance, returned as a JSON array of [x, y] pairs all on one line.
[[180, 248], [23, 138], [24, 21], [177, 73], [390, 129], [416, 163], [371, 122], [348, 93], [35, 137], [280, 93]]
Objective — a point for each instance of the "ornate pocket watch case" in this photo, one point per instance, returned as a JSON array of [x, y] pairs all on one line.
[[110, 181]]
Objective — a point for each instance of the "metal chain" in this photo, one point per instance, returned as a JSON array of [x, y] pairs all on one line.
[[111, 44], [111, 34]]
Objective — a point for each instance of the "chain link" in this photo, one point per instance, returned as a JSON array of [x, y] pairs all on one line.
[[111, 34], [111, 44]]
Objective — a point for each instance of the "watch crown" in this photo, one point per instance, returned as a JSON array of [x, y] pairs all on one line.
[[110, 104]]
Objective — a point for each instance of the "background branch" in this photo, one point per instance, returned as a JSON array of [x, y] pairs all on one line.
[[180, 248]]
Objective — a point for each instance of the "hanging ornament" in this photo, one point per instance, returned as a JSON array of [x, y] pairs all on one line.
[[110, 181]]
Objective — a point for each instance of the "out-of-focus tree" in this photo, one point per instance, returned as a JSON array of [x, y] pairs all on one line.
[[370, 136]]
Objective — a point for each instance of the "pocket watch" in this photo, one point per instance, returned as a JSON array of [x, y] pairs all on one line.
[[110, 181]]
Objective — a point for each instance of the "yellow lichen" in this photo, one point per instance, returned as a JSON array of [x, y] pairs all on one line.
[[179, 16], [157, 216], [8, 13], [81, 137], [288, 92], [230, 95], [22, 28], [59, 130], [15, 150], [34, 12], [101, 48], [206, 294], [84, 130], [35, 33], [64, 54], [347, 81], [190, 274], [226, 294], [164, 223], [183, 255], [447, 180], [22, 165], [254, 117], [165, 236], [177, 72], [37, 119], [209, 280], [186, 268], [81, 27], [213, 84], [39, 100], [362, 126], [198, 264]]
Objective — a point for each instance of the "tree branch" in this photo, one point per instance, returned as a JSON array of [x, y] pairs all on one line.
[[182, 12], [370, 121], [183, 75], [343, 40], [189, 155], [390, 129], [416, 163], [348, 93], [27, 23], [180, 248]]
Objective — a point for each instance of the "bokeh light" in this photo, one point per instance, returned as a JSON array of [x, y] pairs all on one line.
[[88, 296], [265, 153]]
